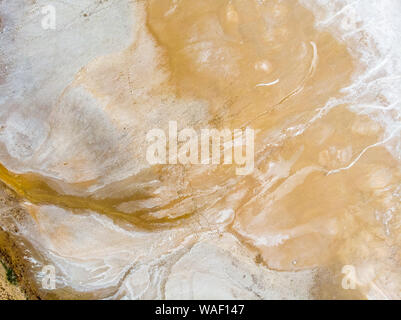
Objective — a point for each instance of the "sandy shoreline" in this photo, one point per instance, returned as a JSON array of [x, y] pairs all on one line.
[[9, 291], [12, 251]]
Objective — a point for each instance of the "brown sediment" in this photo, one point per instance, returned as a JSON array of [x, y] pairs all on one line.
[[15, 252], [261, 65], [249, 51], [229, 54], [36, 190]]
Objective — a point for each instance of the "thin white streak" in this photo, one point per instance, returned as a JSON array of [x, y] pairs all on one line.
[[343, 9], [268, 84], [363, 152]]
